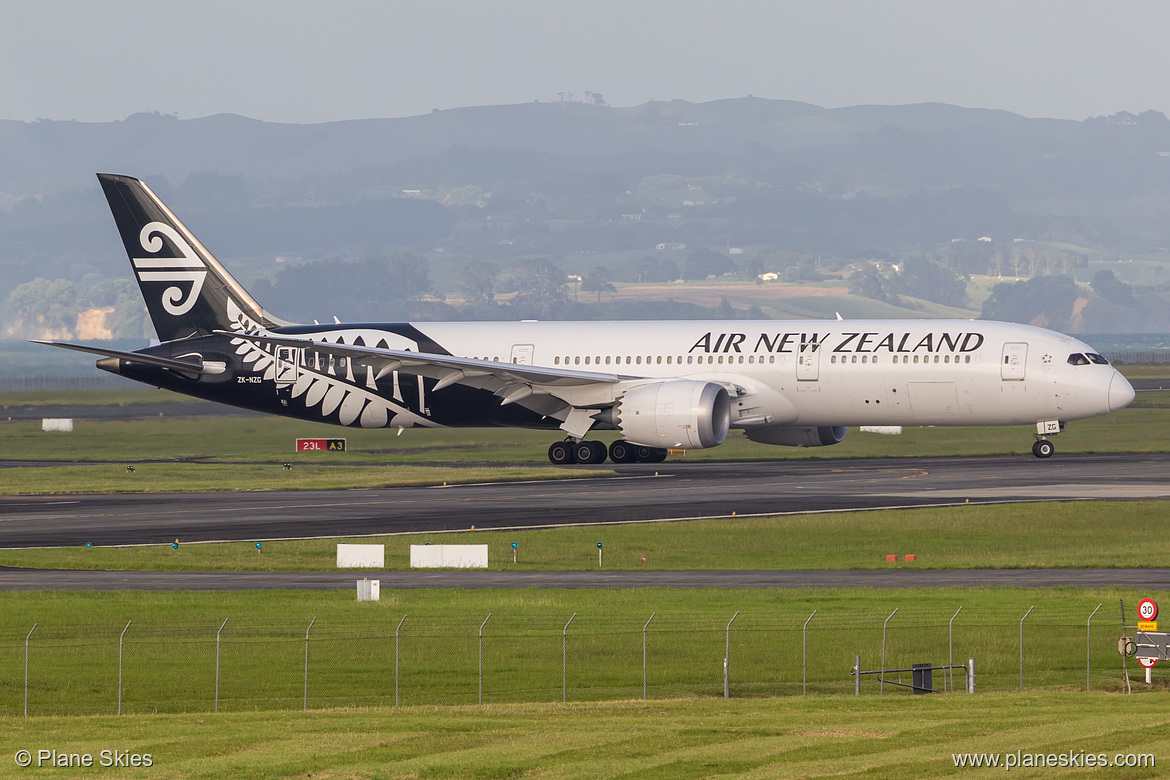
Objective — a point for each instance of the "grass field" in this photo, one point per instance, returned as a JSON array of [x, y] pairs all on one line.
[[431, 637], [1042, 535], [890, 737]]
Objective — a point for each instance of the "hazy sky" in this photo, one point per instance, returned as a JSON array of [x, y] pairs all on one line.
[[314, 61]]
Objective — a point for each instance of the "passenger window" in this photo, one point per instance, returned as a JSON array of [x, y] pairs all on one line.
[[668, 359], [577, 360], [741, 360], [680, 360], [660, 360], [586, 360], [607, 360], [854, 359], [771, 358], [557, 360], [690, 359], [711, 359], [720, 360], [639, 361], [915, 358], [936, 358], [946, 358], [833, 359], [967, 359]]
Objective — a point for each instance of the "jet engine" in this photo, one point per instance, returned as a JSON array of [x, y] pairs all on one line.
[[797, 436], [678, 413]]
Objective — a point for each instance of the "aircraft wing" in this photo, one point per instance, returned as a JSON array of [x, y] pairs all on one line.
[[573, 397]]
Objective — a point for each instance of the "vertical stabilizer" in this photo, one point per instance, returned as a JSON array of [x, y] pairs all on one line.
[[187, 292]]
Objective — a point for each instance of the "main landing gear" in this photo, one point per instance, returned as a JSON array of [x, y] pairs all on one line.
[[562, 453]]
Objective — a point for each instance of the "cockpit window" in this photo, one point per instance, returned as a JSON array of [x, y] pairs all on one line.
[[1098, 359], [1077, 359]]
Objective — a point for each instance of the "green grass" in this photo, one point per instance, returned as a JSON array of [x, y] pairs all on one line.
[[169, 646], [888, 737], [272, 440], [1043, 535]]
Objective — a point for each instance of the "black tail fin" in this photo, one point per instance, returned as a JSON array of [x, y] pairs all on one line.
[[187, 292]]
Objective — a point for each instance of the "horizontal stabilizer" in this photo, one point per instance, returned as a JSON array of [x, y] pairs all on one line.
[[186, 366]]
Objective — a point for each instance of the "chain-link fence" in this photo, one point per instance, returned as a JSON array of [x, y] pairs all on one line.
[[389, 660]]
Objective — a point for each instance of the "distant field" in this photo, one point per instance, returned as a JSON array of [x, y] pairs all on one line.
[[1045, 535]]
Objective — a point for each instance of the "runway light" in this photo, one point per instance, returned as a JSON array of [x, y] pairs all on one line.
[[257, 546], [175, 545], [89, 544], [130, 469]]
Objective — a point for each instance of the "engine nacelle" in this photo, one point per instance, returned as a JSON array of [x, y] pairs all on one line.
[[679, 413], [797, 436]]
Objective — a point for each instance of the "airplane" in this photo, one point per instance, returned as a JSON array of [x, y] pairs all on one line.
[[662, 385]]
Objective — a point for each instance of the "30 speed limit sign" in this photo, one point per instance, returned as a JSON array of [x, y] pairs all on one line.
[[1148, 609]]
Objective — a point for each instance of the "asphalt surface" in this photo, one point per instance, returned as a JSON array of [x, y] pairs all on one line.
[[40, 579], [671, 491], [668, 491]]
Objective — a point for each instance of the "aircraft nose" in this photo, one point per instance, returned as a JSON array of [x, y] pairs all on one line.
[[1121, 392]]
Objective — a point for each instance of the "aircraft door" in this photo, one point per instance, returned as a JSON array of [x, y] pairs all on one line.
[[522, 354], [1015, 357], [808, 366], [286, 367]]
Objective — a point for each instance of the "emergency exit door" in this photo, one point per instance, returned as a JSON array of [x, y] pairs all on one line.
[[1015, 357]]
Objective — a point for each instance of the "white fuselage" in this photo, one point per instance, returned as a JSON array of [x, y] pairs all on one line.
[[814, 373]]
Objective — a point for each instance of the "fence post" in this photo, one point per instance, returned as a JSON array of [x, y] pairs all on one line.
[[951, 650], [804, 654], [652, 614], [970, 675], [1089, 645], [856, 675], [484, 623], [1025, 617], [882, 673], [120, 638], [217, 633], [727, 659], [307, 630], [565, 660], [400, 622], [30, 633]]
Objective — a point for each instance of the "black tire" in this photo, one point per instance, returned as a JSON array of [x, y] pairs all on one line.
[[622, 451], [560, 453], [589, 452], [1043, 448], [657, 455], [643, 454]]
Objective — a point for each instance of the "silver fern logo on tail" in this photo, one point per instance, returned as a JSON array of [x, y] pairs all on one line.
[[185, 268]]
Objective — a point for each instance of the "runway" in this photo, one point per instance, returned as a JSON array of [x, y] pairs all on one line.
[[680, 491]]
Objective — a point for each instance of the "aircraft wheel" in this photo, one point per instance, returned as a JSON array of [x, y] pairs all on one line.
[[643, 454], [658, 454], [589, 452], [1043, 448], [622, 452], [560, 453]]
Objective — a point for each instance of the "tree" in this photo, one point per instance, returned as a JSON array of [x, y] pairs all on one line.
[[1108, 286], [476, 279], [50, 304], [597, 280]]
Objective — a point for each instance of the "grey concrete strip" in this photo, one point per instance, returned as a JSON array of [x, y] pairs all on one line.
[[40, 579]]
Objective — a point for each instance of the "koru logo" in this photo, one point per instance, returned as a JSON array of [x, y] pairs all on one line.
[[185, 268]]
